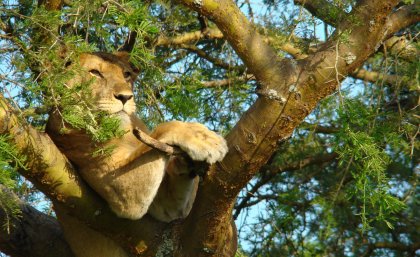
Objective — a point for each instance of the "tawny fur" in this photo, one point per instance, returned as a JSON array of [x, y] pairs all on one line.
[[134, 179]]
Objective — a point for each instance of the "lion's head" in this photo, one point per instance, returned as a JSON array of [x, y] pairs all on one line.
[[113, 78], [110, 80]]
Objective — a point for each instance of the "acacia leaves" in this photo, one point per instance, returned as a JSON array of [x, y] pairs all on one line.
[[368, 164], [365, 148], [10, 161]]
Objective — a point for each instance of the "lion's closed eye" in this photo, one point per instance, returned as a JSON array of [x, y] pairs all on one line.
[[127, 75], [96, 73]]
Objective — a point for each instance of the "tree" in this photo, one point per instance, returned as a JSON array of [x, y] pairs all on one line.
[[254, 77]]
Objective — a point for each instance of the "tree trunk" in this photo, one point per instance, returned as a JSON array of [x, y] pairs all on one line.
[[31, 233]]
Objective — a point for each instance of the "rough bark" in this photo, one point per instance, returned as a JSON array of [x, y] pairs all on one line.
[[289, 92], [31, 233]]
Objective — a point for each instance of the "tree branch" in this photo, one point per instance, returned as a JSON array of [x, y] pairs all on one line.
[[214, 33], [323, 10], [129, 42], [404, 17], [48, 168], [51, 4], [189, 37], [220, 83], [287, 47], [391, 245], [176, 57], [373, 76], [31, 233], [292, 92], [227, 82], [274, 197], [401, 47], [204, 55], [153, 143], [320, 128], [271, 171]]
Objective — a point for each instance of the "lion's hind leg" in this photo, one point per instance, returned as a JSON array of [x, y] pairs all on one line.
[[177, 192]]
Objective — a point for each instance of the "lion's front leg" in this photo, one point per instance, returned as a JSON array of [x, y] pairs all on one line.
[[200, 143], [178, 189], [130, 190]]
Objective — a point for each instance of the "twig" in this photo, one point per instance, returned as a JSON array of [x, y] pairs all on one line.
[[153, 143], [196, 167]]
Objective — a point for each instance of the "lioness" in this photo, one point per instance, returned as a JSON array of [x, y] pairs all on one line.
[[129, 178], [133, 179]]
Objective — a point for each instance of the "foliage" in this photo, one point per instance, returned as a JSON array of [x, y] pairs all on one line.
[[10, 161], [365, 152], [10, 208], [368, 192]]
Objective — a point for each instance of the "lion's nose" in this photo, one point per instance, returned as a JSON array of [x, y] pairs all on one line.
[[123, 98]]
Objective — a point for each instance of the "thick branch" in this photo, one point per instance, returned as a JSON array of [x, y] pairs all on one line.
[[48, 169], [401, 47], [214, 33], [405, 16], [293, 51], [291, 92], [375, 77], [31, 233], [277, 76]]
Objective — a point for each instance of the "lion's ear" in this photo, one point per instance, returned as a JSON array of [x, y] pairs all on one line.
[[125, 57]]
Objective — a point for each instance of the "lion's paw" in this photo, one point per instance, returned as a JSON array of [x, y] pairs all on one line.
[[200, 143]]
